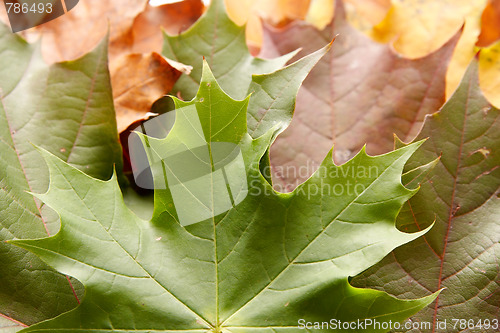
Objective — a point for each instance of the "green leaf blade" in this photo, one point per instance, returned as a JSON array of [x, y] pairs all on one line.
[[222, 43], [265, 262], [274, 94], [34, 98]]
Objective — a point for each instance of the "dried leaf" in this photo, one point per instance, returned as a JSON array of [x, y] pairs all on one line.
[[138, 80], [362, 14], [80, 30], [134, 27], [250, 12], [490, 24], [362, 93], [419, 27], [172, 18], [321, 13], [366, 14]]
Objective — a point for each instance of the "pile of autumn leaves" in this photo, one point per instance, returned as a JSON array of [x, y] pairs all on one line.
[[361, 92]]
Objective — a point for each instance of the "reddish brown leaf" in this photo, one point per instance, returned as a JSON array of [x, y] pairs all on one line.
[[138, 80], [146, 32], [362, 93]]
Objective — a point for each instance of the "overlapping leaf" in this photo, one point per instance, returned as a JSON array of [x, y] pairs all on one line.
[[66, 108], [80, 30], [362, 14], [251, 14], [490, 24], [134, 30], [362, 93], [261, 265], [138, 81], [219, 40], [222, 43], [420, 27], [489, 69], [462, 195]]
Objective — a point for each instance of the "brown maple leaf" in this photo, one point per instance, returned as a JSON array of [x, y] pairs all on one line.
[[363, 92]]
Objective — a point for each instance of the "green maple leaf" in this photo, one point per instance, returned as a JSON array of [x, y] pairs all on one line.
[[222, 43], [66, 108], [262, 264]]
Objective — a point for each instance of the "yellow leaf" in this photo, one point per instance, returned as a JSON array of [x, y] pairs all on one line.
[[321, 13], [276, 12], [419, 27], [489, 73], [362, 14]]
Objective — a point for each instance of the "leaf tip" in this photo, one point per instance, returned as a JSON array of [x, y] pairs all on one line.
[[328, 160], [207, 75], [413, 147], [333, 40]]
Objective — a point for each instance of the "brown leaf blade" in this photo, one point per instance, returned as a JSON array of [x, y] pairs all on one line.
[[172, 18], [139, 80], [364, 92]]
